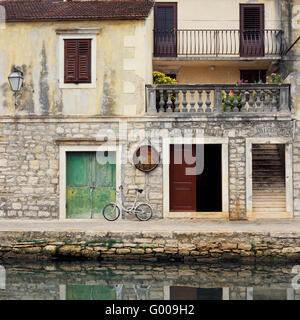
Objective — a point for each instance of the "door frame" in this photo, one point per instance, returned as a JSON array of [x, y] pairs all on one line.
[[63, 149], [166, 179], [288, 173]]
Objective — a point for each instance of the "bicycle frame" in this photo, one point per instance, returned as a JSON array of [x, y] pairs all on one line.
[[119, 202]]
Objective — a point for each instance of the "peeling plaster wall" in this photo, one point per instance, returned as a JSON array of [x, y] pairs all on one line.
[[290, 66], [123, 64]]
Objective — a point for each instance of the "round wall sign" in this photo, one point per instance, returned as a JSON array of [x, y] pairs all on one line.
[[146, 158]]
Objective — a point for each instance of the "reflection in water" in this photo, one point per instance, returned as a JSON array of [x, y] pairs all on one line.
[[74, 280]]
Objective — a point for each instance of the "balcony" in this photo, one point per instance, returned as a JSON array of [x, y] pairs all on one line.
[[219, 100], [218, 43]]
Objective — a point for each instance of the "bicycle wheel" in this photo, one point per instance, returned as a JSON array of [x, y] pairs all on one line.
[[111, 212], [143, 212]]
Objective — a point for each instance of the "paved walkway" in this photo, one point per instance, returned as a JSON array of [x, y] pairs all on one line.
[[166, 225]]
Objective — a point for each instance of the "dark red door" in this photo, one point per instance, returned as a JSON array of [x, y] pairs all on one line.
[[165, 29], [182, 185], [252, 30]]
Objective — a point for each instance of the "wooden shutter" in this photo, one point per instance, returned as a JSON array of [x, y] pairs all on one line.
[[84, 60], [70, 60], [252, 17], [77, 61], [252, 30], [165, 29]]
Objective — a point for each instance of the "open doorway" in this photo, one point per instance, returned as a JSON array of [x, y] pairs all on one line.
[[268, 180], [195, 193]]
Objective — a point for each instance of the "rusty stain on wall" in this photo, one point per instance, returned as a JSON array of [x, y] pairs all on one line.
[[108, 98], [43, 84], [4, 88], [24, 99], [38, 56]]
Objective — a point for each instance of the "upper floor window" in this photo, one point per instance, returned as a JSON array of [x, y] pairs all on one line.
[[77, 60], [165, 29], [252, 30], [77, 66]]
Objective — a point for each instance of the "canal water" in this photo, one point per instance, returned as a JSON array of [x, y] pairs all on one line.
[[73, 280]]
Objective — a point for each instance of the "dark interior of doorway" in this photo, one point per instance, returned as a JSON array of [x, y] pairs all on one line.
[[190, 293], [209, 183]]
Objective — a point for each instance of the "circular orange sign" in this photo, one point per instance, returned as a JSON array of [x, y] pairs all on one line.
[[146, 158]]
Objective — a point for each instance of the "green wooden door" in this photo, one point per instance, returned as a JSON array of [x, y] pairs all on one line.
[[91, 183], [90, 292]]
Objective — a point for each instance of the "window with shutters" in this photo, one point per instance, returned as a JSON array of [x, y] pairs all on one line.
[[77, 66], [77, 60], [252, 29], [165, 26]]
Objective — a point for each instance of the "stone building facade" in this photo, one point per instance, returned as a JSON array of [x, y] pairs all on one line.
[[53, 120]]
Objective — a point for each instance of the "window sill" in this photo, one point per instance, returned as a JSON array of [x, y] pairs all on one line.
[[77, 86]]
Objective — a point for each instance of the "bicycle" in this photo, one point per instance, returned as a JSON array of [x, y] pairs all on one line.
[[143, 211]]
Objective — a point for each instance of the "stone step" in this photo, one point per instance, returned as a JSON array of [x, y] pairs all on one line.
[[268, 205], [274, 191], [266, 152], [264, 186], [265, 157], [268, 168], [268, 209], [270, 180], [270, 192], [271, 215], [264, 146], [262, 162], [275, 198], [266, 173]]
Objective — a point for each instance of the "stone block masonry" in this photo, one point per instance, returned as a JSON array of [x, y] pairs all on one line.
[[178, 246], [29, 157]]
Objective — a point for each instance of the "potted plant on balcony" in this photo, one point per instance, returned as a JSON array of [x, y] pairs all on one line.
[[231, 100], [274, 78], [161, 78], [257, 95]]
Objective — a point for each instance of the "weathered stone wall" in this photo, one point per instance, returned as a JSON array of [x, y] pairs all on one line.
[[29, 158], [296, 173], [290, 70], [152, 246]]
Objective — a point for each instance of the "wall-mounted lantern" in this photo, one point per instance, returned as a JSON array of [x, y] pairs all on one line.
[[15, 80]]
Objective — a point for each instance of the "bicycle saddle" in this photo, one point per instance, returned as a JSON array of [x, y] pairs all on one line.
[[139, 190]]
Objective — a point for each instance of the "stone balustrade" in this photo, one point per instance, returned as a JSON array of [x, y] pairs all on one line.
[[219, 99]]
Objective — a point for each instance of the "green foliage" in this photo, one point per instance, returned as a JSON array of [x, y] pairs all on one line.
[[274, 78], [110, 243], [253, 248], [231, 99], [161, 78]]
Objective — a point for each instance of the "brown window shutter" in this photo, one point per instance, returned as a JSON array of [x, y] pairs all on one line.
[[84, 60], [77, 61], [70, 60], [252, 17]]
